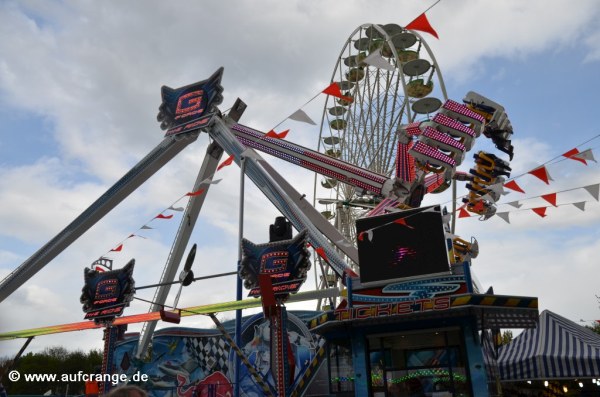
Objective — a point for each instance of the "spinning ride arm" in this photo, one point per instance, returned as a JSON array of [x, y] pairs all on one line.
[[158, 157], [362, 179], [288, 201]]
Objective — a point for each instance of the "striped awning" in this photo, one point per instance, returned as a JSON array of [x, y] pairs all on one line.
[[556, 348]]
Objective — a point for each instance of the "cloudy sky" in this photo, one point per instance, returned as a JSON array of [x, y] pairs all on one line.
[[80, 86]]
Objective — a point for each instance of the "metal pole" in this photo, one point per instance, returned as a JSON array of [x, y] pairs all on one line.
[[238, 313], [453, 227]]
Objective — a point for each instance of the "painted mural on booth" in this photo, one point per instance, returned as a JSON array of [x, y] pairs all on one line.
[[188, 362]]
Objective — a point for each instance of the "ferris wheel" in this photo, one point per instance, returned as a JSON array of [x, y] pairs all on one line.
[[389, 78]]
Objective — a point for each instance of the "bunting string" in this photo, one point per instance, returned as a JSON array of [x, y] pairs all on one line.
[[573, 154], [163, 215]]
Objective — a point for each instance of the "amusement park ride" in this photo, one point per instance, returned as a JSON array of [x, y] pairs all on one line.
[[389, 135]]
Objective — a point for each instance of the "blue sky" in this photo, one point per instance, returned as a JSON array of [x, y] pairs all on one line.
[[80, 86]]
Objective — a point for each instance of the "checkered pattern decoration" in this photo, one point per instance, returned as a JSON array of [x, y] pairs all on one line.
[[211, 353]]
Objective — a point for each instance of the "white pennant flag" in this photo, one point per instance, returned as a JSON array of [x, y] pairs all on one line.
[[504, 216], [515, 204], [175, 208], [593, 190], [585, 155], [300, 115], [375, 59], [209, 181], [488, 198], [344, 243], [580, 205], [498, 188]]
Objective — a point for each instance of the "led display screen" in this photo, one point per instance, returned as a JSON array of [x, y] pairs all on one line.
[[403, 244]]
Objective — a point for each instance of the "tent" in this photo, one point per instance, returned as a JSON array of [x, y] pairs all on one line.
[[557, 348]]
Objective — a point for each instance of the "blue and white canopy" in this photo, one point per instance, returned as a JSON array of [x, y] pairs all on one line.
[[557, 348]]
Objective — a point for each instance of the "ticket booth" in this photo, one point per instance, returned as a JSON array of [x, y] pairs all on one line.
[[413, 323]]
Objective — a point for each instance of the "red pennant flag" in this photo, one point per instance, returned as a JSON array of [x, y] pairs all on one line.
[[117, 249], [225, 163], [541, 211], [402, 221], [196, 193], [513, 186], [479, 207], [161, 216], [541, 173], [322, 254], [273, 134], [551, 198], [463, 213], [571, 153], [422, 23], [361, 236], [334, 90]]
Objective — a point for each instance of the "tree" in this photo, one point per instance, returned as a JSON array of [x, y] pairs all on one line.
[[594, 327]]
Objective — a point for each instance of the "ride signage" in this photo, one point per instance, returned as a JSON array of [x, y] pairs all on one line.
[[286, 261], [190, 107], [106, 294]]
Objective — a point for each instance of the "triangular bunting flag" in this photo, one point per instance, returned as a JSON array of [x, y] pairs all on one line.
[[209, 181], [344, 243], [375, 59], [145, 227], [463, 213], [497, 188], [551, 198], [178, 209], [402, 221], [585, 155], [422, 23], [541, 211], [515, 204], [334, 90], [225, 163], [593, 190], [273, 134], [571, 153], [250, 153], [196, 193], [504, 216], [542, 173], [580, 205], [135, 235], [512, 185], [321, 252], [487, 197], [117, 249], [300, 115], [162, 216], [479, 207]]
